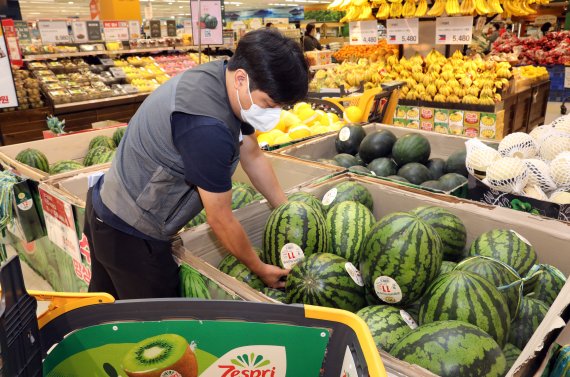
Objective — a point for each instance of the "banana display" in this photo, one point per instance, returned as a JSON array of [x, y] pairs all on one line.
[[360, 10]]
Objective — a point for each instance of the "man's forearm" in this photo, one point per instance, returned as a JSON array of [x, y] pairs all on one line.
[[261, 174]]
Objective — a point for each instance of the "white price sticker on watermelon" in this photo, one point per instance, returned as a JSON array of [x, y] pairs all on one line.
[[354, 273], [330, 196], [291, 254], [387, 289], [344, 134], [521, 238], [408, 319]]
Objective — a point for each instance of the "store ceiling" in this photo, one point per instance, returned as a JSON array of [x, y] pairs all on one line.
[[35, 9]]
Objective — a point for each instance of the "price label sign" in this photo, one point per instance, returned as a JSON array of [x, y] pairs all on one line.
[[363, 32], [171, 28], [208, 28], [79, 29], [453, 30], [134, 30], [54, 31], [155, 29], [403, 31], [116, 30], [23, 31], [94, 31]]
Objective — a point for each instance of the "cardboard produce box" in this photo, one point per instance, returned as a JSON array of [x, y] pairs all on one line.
[[550, 238]]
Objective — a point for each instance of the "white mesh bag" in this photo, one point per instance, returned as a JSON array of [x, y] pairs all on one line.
[[539, 174], [533, 191], [553, 144], [540, 132], [560, 197], [479, 157], [508, 174], [562, 123], [519, 145], [560, 169]]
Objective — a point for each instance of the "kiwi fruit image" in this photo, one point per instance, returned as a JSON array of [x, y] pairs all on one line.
[[167, 355]]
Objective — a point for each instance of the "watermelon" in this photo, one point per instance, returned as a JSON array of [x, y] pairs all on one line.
[[383, 167], [415, 173], [451, 181], [257, 197], [398, 178], [531, 314], [387, 324], [411, 148], [250, 189], [450, 228], [359, 160], [276, 294], [348, 191], [118, 135], [447, 266], [33, 158], [348, 139], [200, 218], [376, 144], [307, 198], [230, 265], [359, 169], [511, 353], [294, 223], [561, 365], [328, 161], [345, 160], [463, 296], [452, 349], [192, 283], [547, 284], [431, 184], [413, 309], [401, 256], [503, 277], [456, 163], [241, 196], [64, 166], [95, 155], [326, 280], [347, 225], [437, 167], [102, 141], [507, 246]]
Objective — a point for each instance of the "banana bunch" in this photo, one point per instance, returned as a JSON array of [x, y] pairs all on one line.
[[467, 7], [481, 7], [409, 9], [452, 7], [469, 99], [396, 8], [437, 8], [421, 9], [358, 13], [383, 10], [495, 6]]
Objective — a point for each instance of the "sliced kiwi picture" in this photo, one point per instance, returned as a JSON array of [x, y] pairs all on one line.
[[160, 356]]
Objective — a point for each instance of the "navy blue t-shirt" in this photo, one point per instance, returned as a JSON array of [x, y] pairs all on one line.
[[207, 149]]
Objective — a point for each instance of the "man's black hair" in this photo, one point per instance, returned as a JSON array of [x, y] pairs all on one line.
[[309, 28], [275, 65], [497, 26], [269, 24], [545, 27]]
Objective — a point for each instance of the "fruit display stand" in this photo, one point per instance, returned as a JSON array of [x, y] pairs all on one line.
[[200, 338], [549, 237]]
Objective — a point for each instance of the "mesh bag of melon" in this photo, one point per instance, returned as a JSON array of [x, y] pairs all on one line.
[[539, 175], [507, 174], [560, 170], [479, 157], [519, 145], [562, 123], [553, 144]]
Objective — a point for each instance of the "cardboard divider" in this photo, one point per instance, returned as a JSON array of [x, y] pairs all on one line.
[[550, 238]]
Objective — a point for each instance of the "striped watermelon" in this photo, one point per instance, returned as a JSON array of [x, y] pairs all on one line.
[[276, 294], [257, 197], [96, 155], [241, 196], [65, 166], [387, 324], [467, 297], [307, 198], [531, 314], [411, 148], [118, 135], [199, 219], [511, 353], [192, 284], [447, 266], [245, 186], [413, 309], [401, 256], [347, 226], [503, 277], [450, 228], [507, 246], [33, 158], [324, 279], [294, 223], [348, 191], [452, 349], [106, 156], [230, 265], [102, 141], [562, 364], [546, 283]]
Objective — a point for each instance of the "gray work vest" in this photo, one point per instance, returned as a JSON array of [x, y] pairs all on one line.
[[145, 186]]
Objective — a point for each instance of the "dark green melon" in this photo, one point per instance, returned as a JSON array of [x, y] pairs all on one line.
[[307, 198], [230, 265], [96, 155], [398, 178], [276, 294], [192, 283], [451, 181], [507, 246], [359, 160], [464, 296], [241, 196], [359, 169], [348, 223], [413, 309], [118, 135], [33, 158], [547, 282], [345, 160], [561, 365], [447, 266], [531, 314], [348, 139], [102, 141], [452, 349], [431, 184], [387, 324], [456, 163], [199, 219], [348, 191], [401, 256], [383, 166], [415, 173], [511, 353], [376, 144], [323, 279], [294, 223], [65, 166], [449, 227], [437, 167], [411, 148], [236, 184]]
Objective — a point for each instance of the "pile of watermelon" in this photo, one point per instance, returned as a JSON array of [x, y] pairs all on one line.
[[427, 297], [407, 159], [101, 150]]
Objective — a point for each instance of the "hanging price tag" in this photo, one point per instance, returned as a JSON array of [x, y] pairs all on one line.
[[54, 31], [453, 30], [363, 32], [116, 30], [403, 31]]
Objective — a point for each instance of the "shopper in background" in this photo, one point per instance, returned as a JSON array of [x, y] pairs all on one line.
[[269, 25], [310, 42], [494, 33], [178, 156], [544, 29]]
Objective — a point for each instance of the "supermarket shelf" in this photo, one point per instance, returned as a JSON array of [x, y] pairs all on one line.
[[97, 103], [30, 58]]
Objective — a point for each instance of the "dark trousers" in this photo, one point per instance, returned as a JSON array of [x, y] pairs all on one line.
[[126, 266]]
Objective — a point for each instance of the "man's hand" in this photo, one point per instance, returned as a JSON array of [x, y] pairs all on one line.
[[271, 275]]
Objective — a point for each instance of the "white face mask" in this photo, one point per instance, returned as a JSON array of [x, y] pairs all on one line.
[[259, 118]]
